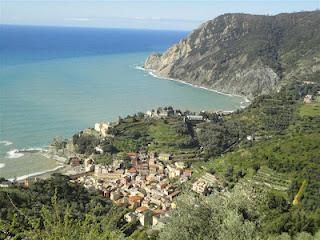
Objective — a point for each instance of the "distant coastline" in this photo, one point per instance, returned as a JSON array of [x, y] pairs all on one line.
[[155, 75]]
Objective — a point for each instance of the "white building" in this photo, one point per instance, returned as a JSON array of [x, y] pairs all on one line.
[[102, 128]]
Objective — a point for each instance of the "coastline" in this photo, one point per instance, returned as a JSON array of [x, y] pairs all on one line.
[[60, 163], [155, 75], [45, 173]]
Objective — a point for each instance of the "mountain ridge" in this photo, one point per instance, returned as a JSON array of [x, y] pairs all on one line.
[[245, 54]]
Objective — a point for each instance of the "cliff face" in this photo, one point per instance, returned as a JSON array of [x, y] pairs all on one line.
[[245, 54]]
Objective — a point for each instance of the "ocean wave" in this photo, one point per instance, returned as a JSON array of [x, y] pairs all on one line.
[[36, 173], [6, 142], [15, 153], [2, 165]]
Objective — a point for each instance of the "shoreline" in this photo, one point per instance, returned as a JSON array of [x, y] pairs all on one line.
[[60, 163], [155, 75], [37, 174]]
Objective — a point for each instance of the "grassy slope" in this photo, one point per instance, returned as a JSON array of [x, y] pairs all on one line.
[[161, 135], [292, 156], [312, 109]]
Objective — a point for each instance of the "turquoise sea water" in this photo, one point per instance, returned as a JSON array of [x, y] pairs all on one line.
[[48, 95]]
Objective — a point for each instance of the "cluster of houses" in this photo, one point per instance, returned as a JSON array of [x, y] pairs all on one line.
[[170, 112], [162, 113], [146, 187]]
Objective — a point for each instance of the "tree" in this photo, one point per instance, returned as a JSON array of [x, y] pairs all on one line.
[[213, 217]]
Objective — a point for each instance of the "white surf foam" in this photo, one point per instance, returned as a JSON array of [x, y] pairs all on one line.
[[6, 142], [139, 68], [2, 165], [14, 154], [36, 149]]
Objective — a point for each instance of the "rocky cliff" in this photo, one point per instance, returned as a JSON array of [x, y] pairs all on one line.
[[245, 54]]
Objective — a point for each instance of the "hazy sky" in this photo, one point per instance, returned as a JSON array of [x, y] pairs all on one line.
[[152, 14]]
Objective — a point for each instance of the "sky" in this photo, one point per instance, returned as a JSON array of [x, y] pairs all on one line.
[[151, 14]]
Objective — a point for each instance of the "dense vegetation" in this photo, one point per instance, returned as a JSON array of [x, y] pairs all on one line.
[[58, 209]]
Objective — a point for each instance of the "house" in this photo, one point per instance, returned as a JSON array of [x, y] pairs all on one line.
[[117, 163], [200, 186], [131, 216], [115, 195], [173, 172], [75, 161], [153, 169], [132, 155], [155, 200], [134, 201], [132, 171], [308, 99], [180, 164], [146, 218], [89, 165], [165, 156], [122, 201], [98, 149], [149, 113], [187, 172], [134, 162], [194, 118], [309, 82], [102, 128], [210, 179], [143, 169], [5, 184], [141, 209], [173, 195], [125, 180], [106, 193]]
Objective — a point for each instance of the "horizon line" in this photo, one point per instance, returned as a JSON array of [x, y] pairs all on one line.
[[96, 27]]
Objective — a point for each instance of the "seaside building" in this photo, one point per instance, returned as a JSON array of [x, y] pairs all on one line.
[[89, 165], [102, 128], [75, 161]]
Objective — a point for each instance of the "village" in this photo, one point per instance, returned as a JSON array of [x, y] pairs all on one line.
[[147, 188], [145, 182]]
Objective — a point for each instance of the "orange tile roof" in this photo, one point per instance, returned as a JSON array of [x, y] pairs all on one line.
[[135, 198], [141, 209], [157, 211], [132, 170], [131, 154]]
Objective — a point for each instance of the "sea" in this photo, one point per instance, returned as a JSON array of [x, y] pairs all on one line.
[[56, 81]]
